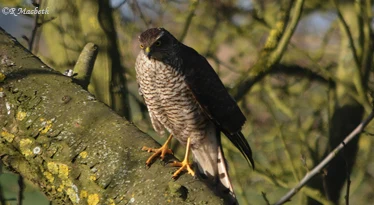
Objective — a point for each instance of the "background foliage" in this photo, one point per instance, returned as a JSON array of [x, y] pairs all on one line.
[[302, 90]]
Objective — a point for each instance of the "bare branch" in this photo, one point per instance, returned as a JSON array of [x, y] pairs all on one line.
[[21, 189], [34, 30], [359, 60], [327, 159], [2, 199], [348, 177], [191, 14], [146, 22], [265, 198], [269, 59], [120, 4], [348, 32]]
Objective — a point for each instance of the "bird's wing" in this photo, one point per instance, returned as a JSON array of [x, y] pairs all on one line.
[[210, 92], [214, 99]]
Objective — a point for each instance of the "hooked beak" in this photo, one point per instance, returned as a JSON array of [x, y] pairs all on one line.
[[148, 52]]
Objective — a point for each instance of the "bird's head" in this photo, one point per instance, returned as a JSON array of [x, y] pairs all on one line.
[[158, 43]]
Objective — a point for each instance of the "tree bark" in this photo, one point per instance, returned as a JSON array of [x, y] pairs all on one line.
[[75, 148]]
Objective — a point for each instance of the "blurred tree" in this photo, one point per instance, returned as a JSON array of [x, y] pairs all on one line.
[[300, 70], [78, 23]]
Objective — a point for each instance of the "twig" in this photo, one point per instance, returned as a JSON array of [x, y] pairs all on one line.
[[187, 24], [265, 198], [324, 43], [213, 32], [279, 104], [348, 177], [120, 5], [325, 71], [367, 57], [327, 159], [276, 33], [292, 70], [288, 153], [273, 179], [36, 3], [21, 185], [2, 199], [368, 133], [258, 13], [266, 62], [358, 82], [141, 14], [39, 21], [348, 32], [219, 62], [283, 42], [34, 30]]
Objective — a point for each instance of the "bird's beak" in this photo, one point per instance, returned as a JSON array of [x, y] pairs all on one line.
[[148, 52]]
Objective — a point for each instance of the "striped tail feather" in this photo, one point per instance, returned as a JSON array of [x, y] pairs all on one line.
[[211, 165]]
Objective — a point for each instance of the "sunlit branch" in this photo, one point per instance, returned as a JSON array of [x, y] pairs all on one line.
[[327, 159]]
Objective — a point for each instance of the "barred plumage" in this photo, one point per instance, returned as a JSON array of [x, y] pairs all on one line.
[[184, 95], [169, 100]]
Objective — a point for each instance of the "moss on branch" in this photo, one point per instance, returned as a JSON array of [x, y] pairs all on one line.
[[73, 147]]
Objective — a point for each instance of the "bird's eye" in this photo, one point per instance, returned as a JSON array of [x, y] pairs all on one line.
[[158, 43], [141, 46]]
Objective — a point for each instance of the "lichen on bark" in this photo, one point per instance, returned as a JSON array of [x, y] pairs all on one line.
[[74, 147]]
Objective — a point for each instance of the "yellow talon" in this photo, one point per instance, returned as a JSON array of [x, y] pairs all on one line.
[[162, 151], [184, 165]]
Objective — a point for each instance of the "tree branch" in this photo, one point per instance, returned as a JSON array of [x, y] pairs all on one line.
[[75, 148], [85, 64], [269, 59], [327, 159], [290, 70], [191, 14], [348, 33]]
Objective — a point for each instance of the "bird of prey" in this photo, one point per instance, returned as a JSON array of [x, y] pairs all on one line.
[[185, 95]]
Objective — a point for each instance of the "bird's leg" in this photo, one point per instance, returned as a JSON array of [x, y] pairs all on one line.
[[162, 151], [184, 165]]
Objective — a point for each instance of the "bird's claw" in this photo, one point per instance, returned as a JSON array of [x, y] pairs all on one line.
[[183, 166], [162, 151]]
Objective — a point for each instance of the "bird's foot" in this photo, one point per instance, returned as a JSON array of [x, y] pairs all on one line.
[[162, 151], [183, 166]]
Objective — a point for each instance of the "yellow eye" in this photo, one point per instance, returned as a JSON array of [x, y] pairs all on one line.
[[158, 43], [141, 46]]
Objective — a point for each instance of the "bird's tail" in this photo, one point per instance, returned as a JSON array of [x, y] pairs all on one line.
[[211, 165]]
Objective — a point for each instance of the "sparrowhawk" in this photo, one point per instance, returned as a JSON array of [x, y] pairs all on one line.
[[185, 95]]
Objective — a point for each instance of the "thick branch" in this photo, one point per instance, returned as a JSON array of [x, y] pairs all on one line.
[[75, 148]]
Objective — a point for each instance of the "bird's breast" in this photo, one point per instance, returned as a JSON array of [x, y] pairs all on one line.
[[169, 99]]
